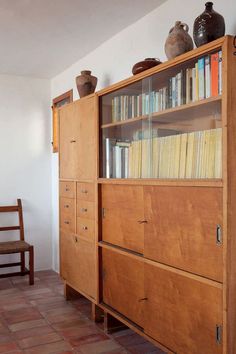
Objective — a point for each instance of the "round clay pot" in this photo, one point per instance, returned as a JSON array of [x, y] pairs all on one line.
[[144, 65], [86, 83], [178, 40], [208, 26]]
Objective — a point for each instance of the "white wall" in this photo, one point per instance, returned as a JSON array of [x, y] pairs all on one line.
[[25, 124], [113, 60]]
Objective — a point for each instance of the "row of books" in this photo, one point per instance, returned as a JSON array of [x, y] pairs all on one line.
[[201, 81], [188, 155]]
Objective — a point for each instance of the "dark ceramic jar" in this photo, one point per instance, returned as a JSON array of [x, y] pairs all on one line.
[[86, 83], [208, 26], [144, 65]]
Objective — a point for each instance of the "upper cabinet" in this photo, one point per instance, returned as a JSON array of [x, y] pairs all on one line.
[[167, 125], [78, 140]]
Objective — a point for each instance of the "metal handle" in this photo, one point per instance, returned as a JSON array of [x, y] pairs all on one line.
[[218, 235], [84, 210], [67, 189], [142, 221], [76, 239], [84, 191], [66, 222], [84, 228], [143, 299], [73, 141], [66, 206]]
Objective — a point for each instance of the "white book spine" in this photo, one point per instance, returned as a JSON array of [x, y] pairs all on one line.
[[208, 76]]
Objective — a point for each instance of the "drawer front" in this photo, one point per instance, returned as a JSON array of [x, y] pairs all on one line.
[[181, 312], [67, 206], [67, 222], [123, 284], [85, 227], [85, 209], [123, 216], [181, 228], [67, 189], [85, 191]]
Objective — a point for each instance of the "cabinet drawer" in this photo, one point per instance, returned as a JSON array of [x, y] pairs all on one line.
[[67, 222], [67, 189], [85, 191], [181, 228], [182, 313], [123, 284], [123, 216], [85, 227], [67, 206], [85, 209]]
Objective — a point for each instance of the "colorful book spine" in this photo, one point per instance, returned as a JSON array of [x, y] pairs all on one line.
[[201, 78], [214, 74], [207, 77]]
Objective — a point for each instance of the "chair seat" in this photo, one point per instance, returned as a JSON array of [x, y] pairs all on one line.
[[13, 247]]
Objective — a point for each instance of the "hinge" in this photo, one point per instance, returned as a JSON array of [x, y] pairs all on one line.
[[218, 235], [103, 213], [218, 334]]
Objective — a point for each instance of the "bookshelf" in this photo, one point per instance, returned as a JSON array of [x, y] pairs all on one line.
[[166, 191], [167, 125]]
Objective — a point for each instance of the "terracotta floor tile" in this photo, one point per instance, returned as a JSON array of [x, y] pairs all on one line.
[[62, 317], [92, 338], [21, 315], [8, 347], [131, 339], [27, 324], [79, 322], [38, 340], [144, 348], [100, 347], [33, 332], [57, 347]]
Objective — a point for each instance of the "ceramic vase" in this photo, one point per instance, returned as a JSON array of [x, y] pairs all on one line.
[[144, 65], [208, 26], [178, 41], [86, 83]]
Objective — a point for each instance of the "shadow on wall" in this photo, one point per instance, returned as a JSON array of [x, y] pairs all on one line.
[[106, 81]]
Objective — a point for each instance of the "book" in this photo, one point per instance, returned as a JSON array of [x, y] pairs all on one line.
[[201, 78], [214, 74], [207, 77], [109, 144], [220, 73]]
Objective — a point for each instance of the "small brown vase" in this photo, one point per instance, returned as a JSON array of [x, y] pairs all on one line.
[[86, 83], [144, 65], [178, 40], [208, 26]]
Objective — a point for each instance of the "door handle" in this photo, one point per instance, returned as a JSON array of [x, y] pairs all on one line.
[[142, 221]]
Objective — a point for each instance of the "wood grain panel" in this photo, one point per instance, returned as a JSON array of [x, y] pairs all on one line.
[[123, 284], [67, 189], [67, 206], [123, 216], [78, 263], [86, 191], [182, 313], [181, 228], [85, 209], [67, 221], [86, 228]]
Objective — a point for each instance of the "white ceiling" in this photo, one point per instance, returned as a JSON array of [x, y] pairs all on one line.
[[42, 38]]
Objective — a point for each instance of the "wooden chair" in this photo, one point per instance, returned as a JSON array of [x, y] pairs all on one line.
[[17, 246]]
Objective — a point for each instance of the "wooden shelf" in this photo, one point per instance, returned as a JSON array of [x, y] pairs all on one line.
[[206, 182], [174, 114]]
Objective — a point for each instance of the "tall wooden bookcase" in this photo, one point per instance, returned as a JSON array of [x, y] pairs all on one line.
[[162, 259]]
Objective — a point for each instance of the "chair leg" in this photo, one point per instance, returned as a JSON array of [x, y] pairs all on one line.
[[22, 261], [31, 265]]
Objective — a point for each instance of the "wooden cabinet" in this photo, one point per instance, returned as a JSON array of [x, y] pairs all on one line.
[[77, 157], [78, 140]]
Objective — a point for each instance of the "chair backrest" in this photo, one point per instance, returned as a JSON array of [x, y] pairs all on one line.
[[14, 208]]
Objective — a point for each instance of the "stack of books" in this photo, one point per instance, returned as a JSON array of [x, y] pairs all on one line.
[[189, 155], [201, 81]]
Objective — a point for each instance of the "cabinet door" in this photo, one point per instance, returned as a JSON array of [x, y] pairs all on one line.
[[77, 139], [181, 228], [78, 263], [123, 284], [182, 313], [122, 222]]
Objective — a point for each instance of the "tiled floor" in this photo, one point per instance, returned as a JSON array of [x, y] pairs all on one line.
[[37, 320]]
